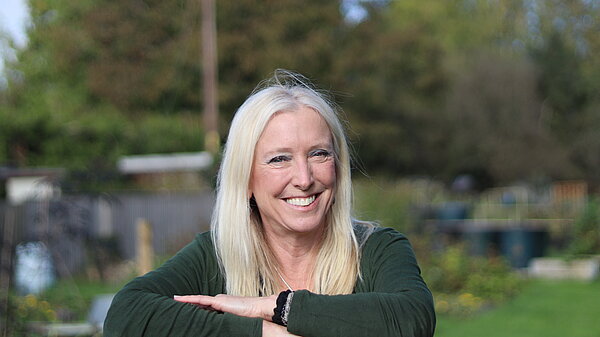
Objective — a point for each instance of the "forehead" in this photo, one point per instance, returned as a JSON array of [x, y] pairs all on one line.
[[303, 126]]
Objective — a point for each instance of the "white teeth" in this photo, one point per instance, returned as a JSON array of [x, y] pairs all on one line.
[[300, 201]]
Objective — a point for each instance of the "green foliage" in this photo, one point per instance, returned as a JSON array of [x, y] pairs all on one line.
[[164, 134], [563, 47], [91, 141], [390, 202], [72, 299], [504, 89], [586, 145], [382, 202], [22, 310], [96, 140], [30, 308], [395, 84], [586, 233], [458, 87], [463, 284], [508, 141], [102, 79], [68, 300], [43, 138], [257, 37], [127, 54]]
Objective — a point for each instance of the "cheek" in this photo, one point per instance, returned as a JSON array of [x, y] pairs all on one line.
[[266, 182], [325, 173]]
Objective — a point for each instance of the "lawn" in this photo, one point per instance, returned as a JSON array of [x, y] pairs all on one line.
[[544, 308]]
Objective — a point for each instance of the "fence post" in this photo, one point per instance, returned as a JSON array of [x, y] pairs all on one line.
[[6, 253], [145, 253]]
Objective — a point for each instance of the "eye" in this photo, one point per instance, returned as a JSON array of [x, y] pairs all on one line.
[[278, 159], [321, 154]]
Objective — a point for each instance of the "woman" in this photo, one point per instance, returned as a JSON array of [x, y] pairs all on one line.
[[284, 256]]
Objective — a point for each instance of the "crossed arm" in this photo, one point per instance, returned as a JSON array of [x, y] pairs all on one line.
[[391, 299], [254, 307], [146, 305]]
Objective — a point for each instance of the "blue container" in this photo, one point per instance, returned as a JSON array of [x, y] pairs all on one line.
[[520, 245], [453, 211]]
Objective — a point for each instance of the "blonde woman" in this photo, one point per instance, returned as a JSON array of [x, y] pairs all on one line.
[[284, 256]]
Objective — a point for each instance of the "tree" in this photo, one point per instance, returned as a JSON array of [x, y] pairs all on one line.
[[394, 84], [257, 37], [430, 87], [496, 120], [100, 79], [564, 45], [400, 82]]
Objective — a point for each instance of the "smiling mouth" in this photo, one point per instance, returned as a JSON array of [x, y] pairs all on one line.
[[301, 201]]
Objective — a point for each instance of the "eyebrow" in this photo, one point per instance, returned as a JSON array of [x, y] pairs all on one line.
[[277, 151], [325, 145]]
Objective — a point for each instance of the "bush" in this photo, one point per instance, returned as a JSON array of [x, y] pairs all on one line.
[[24, 309], [72, 298], [586, 232], [464, 284]]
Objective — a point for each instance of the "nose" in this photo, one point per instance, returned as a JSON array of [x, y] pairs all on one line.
[[302, 176]]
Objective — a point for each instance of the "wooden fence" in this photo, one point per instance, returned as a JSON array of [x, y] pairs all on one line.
[[81, 229]]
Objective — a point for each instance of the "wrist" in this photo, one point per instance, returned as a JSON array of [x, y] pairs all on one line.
[[270, 302], [272, 329]]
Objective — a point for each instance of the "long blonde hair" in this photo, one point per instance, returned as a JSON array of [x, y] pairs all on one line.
[[243, 254]]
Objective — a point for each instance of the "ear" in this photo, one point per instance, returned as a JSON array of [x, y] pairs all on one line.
[[250, 192], [252, 203]]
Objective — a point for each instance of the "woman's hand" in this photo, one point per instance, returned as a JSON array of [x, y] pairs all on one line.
[[274, 330], [260, 307]]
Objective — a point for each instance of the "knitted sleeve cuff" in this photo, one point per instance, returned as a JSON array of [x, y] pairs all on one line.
[[282, 310]]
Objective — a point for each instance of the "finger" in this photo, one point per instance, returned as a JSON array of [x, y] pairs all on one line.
[[199, 301], [205, 307], [195, 299]]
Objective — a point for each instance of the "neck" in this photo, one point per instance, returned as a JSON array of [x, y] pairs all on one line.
[[296, 256]]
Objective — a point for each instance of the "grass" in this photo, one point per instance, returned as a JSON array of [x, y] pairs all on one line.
[[544, 308]]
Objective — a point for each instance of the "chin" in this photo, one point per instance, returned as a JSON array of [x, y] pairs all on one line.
[[307, 227]]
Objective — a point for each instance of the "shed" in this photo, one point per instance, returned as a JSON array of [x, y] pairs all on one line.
[[177, 171], [24, 184]]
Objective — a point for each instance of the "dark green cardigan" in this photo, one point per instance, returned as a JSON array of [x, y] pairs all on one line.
[[391, 299]]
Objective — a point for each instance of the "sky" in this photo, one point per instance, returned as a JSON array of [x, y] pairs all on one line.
[[13, 21]]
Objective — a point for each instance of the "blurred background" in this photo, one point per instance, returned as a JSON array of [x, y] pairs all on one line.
[[475, 124]]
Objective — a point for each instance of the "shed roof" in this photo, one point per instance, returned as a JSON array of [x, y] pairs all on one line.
[[10, 172], [163, 163]]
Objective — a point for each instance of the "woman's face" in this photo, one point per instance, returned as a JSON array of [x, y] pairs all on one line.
[[293, 174]]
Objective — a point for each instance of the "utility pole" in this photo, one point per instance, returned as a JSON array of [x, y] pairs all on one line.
[[209, 77]]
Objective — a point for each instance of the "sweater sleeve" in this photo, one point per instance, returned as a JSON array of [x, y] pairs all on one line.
[[145, 306], [391, 299]]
